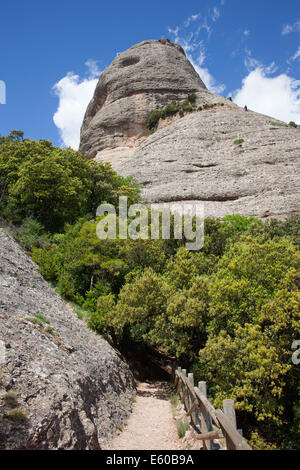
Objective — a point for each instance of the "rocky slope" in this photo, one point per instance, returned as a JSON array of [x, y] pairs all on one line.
[[73, 386], [196, 159], [193, 158]]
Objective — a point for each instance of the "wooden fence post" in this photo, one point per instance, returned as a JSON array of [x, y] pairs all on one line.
[[203, 388], [229, 412], [206, 416], [191, 378], [190, 398]]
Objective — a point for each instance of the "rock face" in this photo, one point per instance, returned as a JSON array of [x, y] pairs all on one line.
[[73, 385], [147, 76], [191, 158], [196, 159]]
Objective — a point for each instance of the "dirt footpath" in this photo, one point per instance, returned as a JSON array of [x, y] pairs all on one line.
[[151, 425]]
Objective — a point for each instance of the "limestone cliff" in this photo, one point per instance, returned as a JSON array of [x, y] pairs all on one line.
[[61, 385]]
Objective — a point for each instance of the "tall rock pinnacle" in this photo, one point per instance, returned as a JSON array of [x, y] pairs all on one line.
[[147, 76]]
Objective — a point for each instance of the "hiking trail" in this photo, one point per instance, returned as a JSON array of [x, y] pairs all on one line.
[[151, 425]]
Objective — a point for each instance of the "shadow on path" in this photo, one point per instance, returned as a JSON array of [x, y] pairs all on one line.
[[159, 390]]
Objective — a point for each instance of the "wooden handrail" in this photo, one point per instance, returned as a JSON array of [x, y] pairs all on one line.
[[198, 402]]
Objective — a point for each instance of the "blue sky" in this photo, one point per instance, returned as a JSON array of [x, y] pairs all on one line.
[[52, 54]]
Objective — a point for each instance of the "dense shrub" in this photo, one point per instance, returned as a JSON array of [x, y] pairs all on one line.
[[171, 109], [293, 124], [54, 185], [192, 98]]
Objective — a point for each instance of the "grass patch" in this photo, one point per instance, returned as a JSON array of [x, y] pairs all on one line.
[[81, 313], [42, 321], [11, 399], [280, 124], [50, 330], [174, 399], [239, 142], [182, 427], [38, 319], [17, 415]]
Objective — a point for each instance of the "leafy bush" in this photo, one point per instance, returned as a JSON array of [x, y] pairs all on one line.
[[192, 98], [257, 442], [293, 124], [238, 141], [171, 110], [54, 185], [153, 119], [31, 233]]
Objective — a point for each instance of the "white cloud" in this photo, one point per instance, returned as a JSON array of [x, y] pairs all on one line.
[[191, 19], [74, 94], [206, 77], [188, 36], [291, 28], [251, 63], [215, 15], [246, 32], [296, 55], [278, 97]]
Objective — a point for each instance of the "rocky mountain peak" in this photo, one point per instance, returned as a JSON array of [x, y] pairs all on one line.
[[233, 161], [147, 76]]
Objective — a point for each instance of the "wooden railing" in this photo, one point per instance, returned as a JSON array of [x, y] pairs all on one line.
[[210, 424]]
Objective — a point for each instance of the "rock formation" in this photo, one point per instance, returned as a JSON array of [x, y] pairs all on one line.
[[196, 159], [229, 159], [61, 385], [146, 76]]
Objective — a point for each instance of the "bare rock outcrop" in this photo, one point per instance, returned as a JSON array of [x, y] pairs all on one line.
[[147, 76], [61, 385], [198, 158], [194, 157]]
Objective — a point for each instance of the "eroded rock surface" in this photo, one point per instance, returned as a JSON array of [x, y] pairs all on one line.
[[196, 159], [74, 386], [147, 76]]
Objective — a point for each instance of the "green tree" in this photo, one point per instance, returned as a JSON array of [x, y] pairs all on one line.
[[53, 185]]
